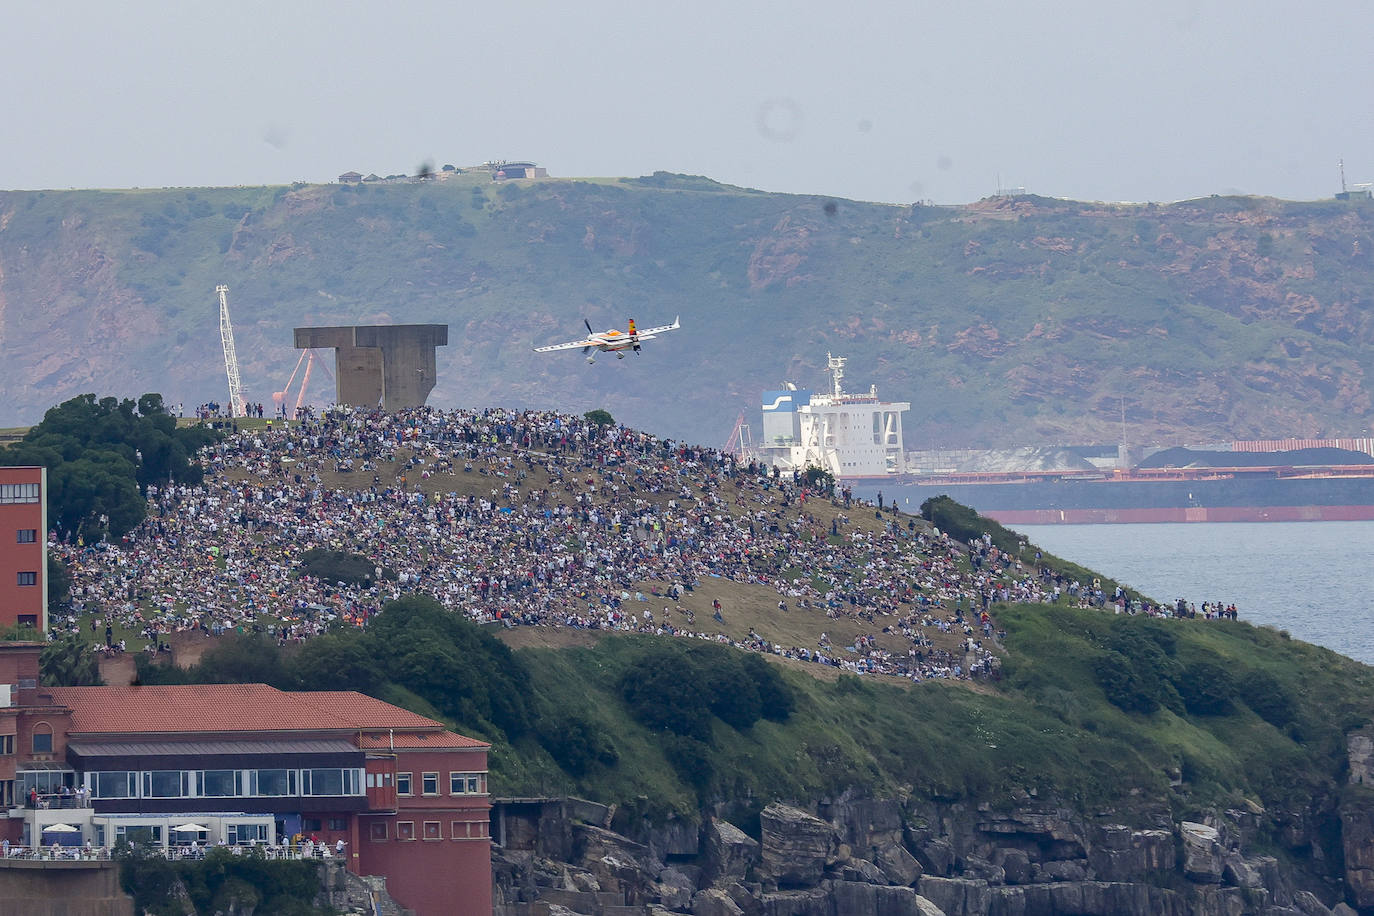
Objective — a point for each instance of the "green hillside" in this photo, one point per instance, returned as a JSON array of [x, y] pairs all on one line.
[[1255, 720], [1012, 320]]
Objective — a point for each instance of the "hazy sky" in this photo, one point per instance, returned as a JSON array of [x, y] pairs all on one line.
[[886, 101]]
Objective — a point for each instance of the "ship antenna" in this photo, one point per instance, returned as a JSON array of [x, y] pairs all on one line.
[[835, 366]]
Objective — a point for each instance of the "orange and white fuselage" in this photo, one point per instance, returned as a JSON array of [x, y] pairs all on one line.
[[613, 340]]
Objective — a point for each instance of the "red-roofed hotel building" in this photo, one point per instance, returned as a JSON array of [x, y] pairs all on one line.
[[252, 765], [24, 547]]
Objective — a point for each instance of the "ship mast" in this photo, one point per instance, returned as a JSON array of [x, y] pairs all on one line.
[[835, 366]]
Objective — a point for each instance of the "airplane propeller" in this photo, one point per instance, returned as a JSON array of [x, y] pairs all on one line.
[[589, 326]]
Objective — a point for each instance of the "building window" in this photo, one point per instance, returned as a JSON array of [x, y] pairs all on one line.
[[6, 744], [28, 578], [42, 740], [18, 493], [430, 783], [434, 830], [378, 832], [405, 830], [467, 783], [165, 784], [28, 620], [27, 536], [245, 834], [310, 825], [338, 824], [219, 783], [135, 834], [403, 784], [114, 784], [272, 782]]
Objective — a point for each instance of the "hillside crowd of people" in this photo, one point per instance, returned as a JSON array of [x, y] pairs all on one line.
[[620, 526]]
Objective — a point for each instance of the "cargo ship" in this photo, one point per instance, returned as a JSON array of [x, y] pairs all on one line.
[[1280, 493], [858, 439]]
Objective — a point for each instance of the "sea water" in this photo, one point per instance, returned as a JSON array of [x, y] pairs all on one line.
[[1313, 579]]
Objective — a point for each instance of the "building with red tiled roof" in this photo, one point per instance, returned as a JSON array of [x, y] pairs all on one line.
[[251, 765]]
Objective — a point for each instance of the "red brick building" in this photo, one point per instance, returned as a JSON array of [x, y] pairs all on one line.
[[24, 547], [250, 764]]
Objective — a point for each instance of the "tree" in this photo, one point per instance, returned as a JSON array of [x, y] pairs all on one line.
[[69, 662], [102, 455], [599, 417], [59, 582], [342, 660]]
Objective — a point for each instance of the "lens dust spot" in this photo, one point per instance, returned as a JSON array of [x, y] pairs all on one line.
[[779, 119]]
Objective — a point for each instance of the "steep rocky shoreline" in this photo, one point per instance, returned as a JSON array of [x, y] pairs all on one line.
[[1026, 856]]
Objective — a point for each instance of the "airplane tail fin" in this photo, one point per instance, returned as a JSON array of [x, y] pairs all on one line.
[[632, 327]]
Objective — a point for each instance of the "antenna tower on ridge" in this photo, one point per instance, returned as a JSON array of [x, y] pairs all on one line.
[[231, 359]]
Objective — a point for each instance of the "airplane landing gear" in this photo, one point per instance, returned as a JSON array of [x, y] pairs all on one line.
[[591, 360], [619, 354]]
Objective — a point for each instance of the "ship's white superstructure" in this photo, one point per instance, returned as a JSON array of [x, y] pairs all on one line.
[[849, 435]]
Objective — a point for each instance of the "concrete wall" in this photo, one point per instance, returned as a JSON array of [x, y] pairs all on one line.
[[393, 365], [62, 889]]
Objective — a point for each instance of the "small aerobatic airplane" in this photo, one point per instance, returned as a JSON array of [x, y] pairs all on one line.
[[612, 341]]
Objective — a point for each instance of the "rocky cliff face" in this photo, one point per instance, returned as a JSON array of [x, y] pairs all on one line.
[[861, 856]]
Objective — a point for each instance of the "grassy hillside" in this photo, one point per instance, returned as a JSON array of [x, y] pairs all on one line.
[[1048, 728], [1010, 320]]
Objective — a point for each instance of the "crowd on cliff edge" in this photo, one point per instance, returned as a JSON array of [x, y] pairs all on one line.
[[621, 508]]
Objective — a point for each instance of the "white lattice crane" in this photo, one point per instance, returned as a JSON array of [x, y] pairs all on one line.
[[231, 359]]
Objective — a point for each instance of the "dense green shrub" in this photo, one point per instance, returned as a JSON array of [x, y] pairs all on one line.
[[963, 524], [1208, 688], [692, 759], [1268, 697], [341, 566], [221, 882], [575, 744], [679, 688], [1124, 688]]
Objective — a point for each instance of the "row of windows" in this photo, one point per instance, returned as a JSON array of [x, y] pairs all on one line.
[[223, 783], [458, 783], [234, 834], [316, 824], [430, 830], [28, 578], [18, 493], [26, 536]]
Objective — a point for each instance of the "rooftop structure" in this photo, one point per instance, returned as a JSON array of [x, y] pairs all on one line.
[[247, 764]]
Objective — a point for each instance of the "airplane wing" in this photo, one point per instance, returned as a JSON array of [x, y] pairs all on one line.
[[647, 332], [570, 345]]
